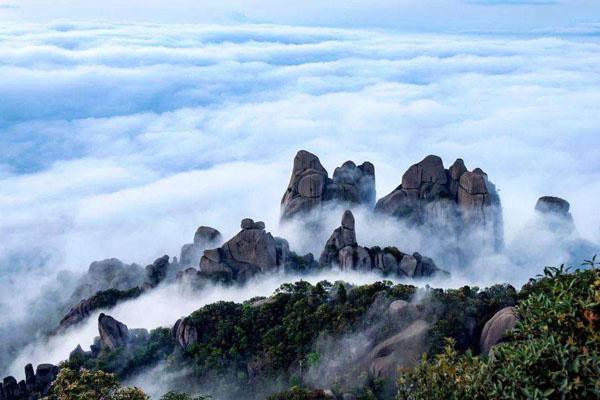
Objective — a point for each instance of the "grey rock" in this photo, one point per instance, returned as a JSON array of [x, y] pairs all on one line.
[[186, 333], [343, 250], [403, 349], [205, 237], [107, 274], [251, 251], [113, 334], [553, 205], [452, 204], [496, 328], [156, 272], [310, 185]]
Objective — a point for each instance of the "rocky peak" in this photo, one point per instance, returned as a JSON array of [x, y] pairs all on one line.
[[452, 202], [34, 386], [343, 250], [553, 205], [113, 334], [204, 238], [310, 185], [156, 272], [251, 251]]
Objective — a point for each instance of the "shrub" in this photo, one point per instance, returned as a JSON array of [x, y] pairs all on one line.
[[553, 352]]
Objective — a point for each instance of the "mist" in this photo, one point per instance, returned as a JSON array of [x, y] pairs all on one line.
[[119, 143]]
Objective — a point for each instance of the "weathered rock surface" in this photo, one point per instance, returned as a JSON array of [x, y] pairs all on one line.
[[100, 300], [553, 205], [310, 185], [403, 349], [184, 333], [156, 272], [495, 329], [113, 334], [107, 274], [204, 238], [251, 251], [451, 201], [343, 250], [34, 386]]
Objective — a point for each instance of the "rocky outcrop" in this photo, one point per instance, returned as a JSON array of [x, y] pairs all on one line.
[[310, 185], [251, 251], [101, 300], [496, 328], [34, 386], [404, 349], [184, 332], [113, 334], [156, 272], [452, 201], [343, 250], [107, 274], [553, 205], [204, 238]]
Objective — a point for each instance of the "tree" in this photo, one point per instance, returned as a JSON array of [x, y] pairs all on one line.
[[182, 396], [83, 384]]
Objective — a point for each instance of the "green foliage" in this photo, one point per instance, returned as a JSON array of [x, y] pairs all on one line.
[[463, 312], [553, 352], [296, 393], [90, 385], [182, 396], [124, 361]]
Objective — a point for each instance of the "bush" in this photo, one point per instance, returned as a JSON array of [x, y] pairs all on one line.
[[90, 385], [553, 352]]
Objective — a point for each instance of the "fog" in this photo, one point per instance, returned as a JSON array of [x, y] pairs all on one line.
[[119, 140]]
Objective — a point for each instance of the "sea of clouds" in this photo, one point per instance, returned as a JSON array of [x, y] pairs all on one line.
[[119, 140]]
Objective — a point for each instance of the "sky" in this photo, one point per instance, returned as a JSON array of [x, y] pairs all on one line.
[[126, 125]]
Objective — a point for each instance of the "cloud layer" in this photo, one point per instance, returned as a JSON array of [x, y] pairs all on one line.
[[118, 140]]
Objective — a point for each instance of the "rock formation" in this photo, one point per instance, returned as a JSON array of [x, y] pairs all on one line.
[[553, 205], [310, 185], [404, 349], [343, 250], [34, 386], [100, 300], [156, 272], [205, 237], [113, 334], [251, 251], [495, 329], [107, 274], [184, 333], [452, 203]]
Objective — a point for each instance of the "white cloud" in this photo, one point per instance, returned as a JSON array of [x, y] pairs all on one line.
[[120, 139]]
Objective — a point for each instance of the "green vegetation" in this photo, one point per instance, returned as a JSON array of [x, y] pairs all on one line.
[[125, 361], [268, 344], [91, 385], [553, 353], [296, 393]]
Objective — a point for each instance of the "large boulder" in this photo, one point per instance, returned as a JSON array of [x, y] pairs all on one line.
[[107, 274], [310, 185], [553, 206], [184, 333], [404, 349], [251, 251], [343, 250], [156, 272], [113, 334], [496, 328], [457, 205], [204, 238]]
